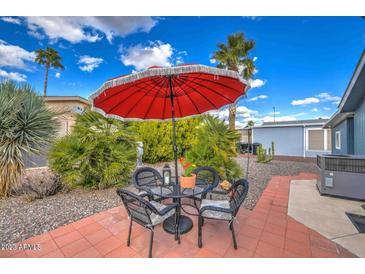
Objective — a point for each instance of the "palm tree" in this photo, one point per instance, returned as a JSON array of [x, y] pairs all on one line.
[[235, 56], [50, 58], [26, 127]]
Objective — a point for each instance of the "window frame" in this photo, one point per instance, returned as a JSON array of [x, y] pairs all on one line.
[[324, 139], [338, 144]]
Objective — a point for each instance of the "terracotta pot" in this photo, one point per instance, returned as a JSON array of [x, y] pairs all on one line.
[[188, 182]]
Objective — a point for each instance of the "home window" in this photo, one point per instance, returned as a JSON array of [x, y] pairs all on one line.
[[328, 139], [338, 139], [316, 139]]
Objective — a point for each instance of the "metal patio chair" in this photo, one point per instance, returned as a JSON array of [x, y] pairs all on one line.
[[148, 177], [224, 210], [147, 214], [206, 178]]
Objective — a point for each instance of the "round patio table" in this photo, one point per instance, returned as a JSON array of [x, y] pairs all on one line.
[[175, 192]]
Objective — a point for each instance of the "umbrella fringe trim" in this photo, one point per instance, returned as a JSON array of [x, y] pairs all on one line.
[[166, 72], [114, 116]]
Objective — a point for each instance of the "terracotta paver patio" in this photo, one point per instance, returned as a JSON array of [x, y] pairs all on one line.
[[266, 231]]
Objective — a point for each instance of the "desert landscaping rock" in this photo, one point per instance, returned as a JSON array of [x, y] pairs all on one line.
[[20, 219]]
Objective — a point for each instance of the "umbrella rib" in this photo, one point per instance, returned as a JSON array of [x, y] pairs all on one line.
[[197, 91], [130, 110], [212, 90], [177, 102], [163, 109], [154, 98], [192, 102], [123, 101], [220, 84], [118, 92]]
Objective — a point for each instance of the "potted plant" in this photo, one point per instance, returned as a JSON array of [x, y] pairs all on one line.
[[188, 178]]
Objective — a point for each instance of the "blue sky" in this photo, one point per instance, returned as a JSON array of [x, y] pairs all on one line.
[[303, 63]]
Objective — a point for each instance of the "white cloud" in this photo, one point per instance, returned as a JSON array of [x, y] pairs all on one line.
[[326, 108], [256, 83], [257, 98], [14, 56], [142, 57], [12, 20], [306, 101], [13, 76], [88, 28], [88, 63], [58, 75], [300, 114], [240, 124], [314, 109], [212, 60], [326, 97], [241, 112]]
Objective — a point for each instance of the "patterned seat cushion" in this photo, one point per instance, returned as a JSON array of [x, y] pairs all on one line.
[[157, 219], [160, 190], [216, 214]]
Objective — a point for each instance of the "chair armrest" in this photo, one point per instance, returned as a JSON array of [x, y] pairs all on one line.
[[167, 209]]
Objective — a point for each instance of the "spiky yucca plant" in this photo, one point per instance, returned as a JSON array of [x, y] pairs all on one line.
[[26, 126], [99, 153]]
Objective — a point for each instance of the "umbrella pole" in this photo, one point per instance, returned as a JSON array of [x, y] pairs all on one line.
[[173, 129]]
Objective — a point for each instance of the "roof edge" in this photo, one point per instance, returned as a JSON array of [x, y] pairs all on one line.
[[62, 98], [359, 66]]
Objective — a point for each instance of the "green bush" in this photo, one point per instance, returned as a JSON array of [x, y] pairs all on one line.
[[99, 153], [215, 146], [157, 138], [263, 156]]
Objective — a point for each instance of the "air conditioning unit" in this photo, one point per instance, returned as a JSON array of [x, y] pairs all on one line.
[[342, 175]]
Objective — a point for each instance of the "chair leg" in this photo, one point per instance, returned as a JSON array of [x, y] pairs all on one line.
[[151, 243], [200, 221], [129, 232], [233, 235]]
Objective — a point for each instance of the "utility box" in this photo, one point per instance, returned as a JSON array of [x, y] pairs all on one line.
[[342, 176]]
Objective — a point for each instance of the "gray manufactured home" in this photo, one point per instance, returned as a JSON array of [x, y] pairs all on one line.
[[305, 138], [348, 123]]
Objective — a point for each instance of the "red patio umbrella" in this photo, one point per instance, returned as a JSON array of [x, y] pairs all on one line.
[[161, 93]]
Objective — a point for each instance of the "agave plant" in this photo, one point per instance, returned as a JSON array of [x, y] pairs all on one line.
[[100, 152], [26, 127]]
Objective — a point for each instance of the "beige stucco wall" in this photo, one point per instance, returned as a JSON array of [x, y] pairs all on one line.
[[67, 116]]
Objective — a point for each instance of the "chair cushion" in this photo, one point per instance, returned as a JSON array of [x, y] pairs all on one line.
[[213, 213], [157, 219], [160, 190]]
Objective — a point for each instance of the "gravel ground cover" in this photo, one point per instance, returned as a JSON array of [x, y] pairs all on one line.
[[21, 219]]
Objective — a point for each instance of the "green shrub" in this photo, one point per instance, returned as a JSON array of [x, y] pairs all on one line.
[[157, 138], [263, 156], [215, 146], [99, 153]]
